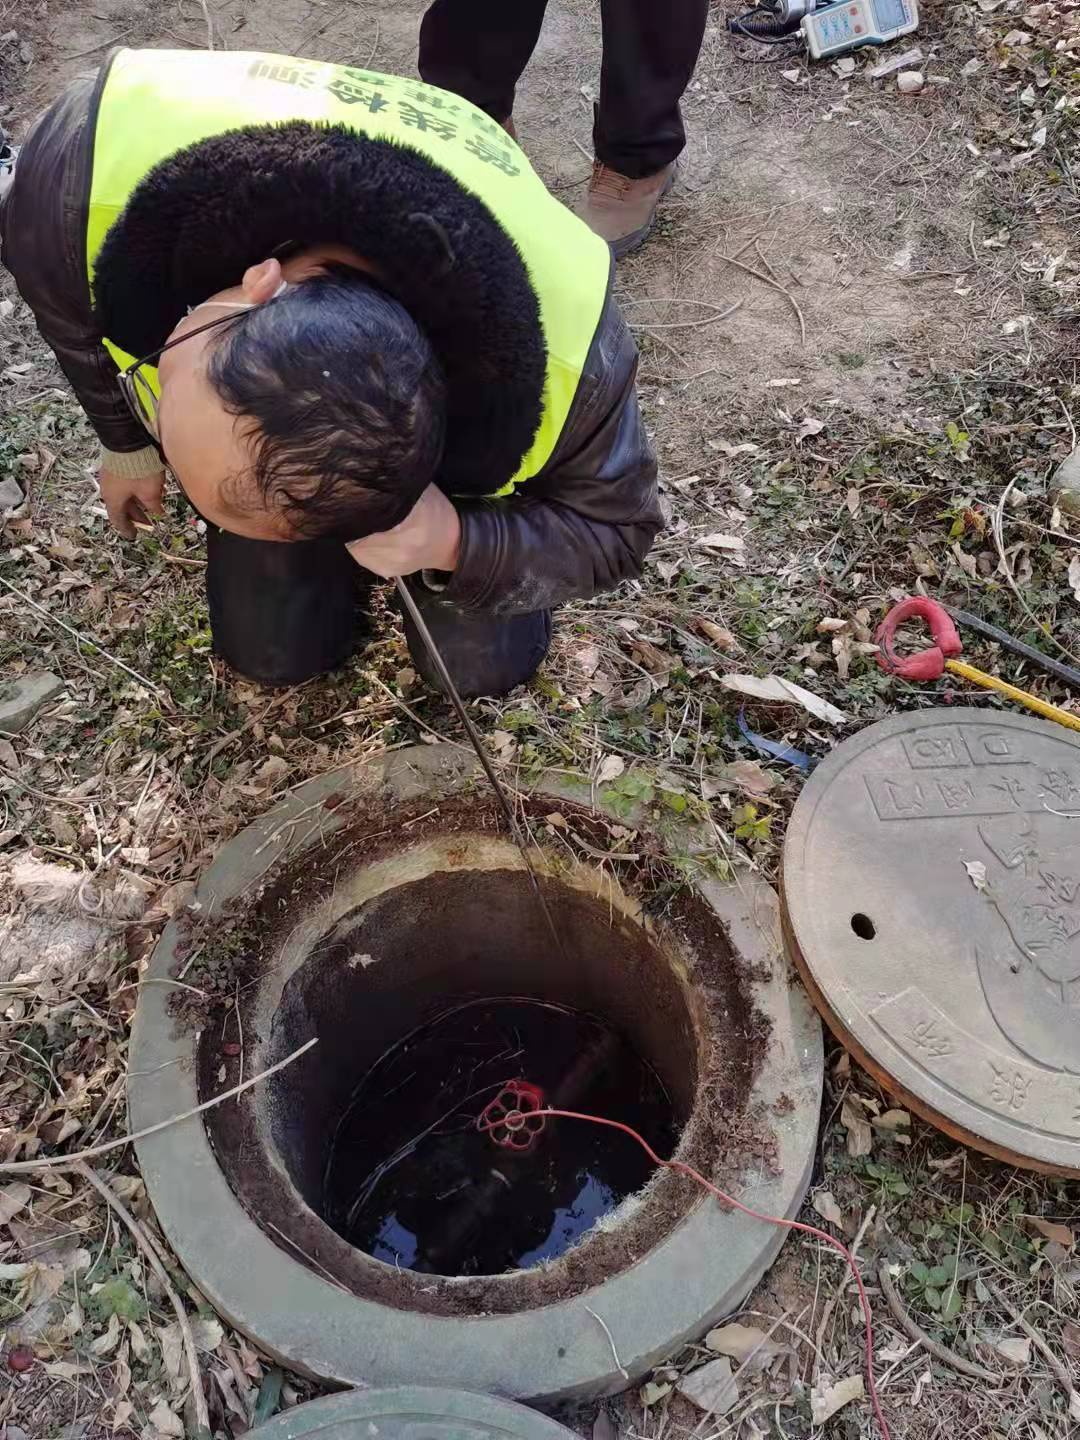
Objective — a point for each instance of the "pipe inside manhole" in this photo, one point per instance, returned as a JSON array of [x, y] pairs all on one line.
[[427, 1001]]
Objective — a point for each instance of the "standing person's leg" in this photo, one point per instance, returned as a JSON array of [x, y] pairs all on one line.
[[478, 48], [282, 613], [650, 52]]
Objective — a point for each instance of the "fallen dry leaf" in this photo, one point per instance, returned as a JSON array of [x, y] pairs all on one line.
[[721, 638], [66, 1369], [745, 1344], [12, 1199], [165, 1422], [503, 743], [1051, 1230], [824, 1202], [172, 1349], [712, 1388], [809, 426], [1074, 577], [826, 1400], [653, 1391], [271, 772], [774, 687], [1015, 1349], [721, 542], [611, 767], [1070, 1340], [892, 1120], [860, 1139], [105, 1344], [655, 660], [976, 873], [140, 1345]]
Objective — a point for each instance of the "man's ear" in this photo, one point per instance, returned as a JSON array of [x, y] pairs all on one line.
[[262, 282]]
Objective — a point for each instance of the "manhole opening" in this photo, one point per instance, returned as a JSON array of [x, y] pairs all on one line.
[[427, 1002], [419, 940]]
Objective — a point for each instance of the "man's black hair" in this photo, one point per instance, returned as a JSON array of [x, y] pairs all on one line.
[[346, 400]]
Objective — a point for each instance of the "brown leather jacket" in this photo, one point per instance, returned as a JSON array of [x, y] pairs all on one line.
[[582, 525]]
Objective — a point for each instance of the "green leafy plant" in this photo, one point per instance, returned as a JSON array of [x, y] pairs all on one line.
[[936, 1287]]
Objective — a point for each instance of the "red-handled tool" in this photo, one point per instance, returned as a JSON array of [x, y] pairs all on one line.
[[925, 664], [931, 664]]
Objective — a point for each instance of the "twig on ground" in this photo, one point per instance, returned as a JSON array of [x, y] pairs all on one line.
[[58, 1162], [101, 45], [775, 285], [41, 795], [650, 325], [1060, 1371], [209, 24], [181, 560], [154, 1259], [415, 718], [83, 639], [915, 1332], [845, 1281], [611, 1341], [374, 46]]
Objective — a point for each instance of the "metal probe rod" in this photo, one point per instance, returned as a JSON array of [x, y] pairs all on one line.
[[481, 753]]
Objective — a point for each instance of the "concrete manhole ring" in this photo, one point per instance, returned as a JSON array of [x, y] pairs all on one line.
[[412, 1412], [351, 911]]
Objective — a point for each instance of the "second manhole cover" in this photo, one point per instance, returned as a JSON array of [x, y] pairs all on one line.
[[931, 899]]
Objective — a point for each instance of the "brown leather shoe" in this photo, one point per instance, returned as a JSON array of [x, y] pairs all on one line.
[[510, 128], [620, 210]]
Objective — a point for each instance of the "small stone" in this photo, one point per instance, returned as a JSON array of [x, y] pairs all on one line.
[[910, 82], [1065, 486], [23, 698]]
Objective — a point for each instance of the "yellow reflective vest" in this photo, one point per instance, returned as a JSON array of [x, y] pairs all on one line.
[[156, 102]]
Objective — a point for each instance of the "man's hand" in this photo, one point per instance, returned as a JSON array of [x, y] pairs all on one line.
[[429, 538], [131, 502]]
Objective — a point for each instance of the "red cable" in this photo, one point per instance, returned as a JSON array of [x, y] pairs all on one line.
[[685, 1169]]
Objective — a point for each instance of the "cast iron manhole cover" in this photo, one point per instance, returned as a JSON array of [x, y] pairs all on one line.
[[931, 898]]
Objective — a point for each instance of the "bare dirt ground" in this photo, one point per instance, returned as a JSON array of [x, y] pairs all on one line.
[[882, 412]]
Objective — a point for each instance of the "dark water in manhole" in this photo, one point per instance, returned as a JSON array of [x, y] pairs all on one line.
[[410, 1179]]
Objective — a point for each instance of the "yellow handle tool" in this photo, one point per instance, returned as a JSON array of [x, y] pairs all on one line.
[[1022, 697]]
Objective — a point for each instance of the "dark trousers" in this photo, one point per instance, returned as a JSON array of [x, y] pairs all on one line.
[[284, 613], [478, 49]]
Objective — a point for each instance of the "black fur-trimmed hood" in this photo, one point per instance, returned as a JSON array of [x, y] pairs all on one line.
[[200, 218]]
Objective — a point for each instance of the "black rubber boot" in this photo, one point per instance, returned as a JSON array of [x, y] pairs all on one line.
[[282, 613], [486, 654]]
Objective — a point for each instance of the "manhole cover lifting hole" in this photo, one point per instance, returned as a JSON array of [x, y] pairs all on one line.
[[931, 897], [690, 1262]]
